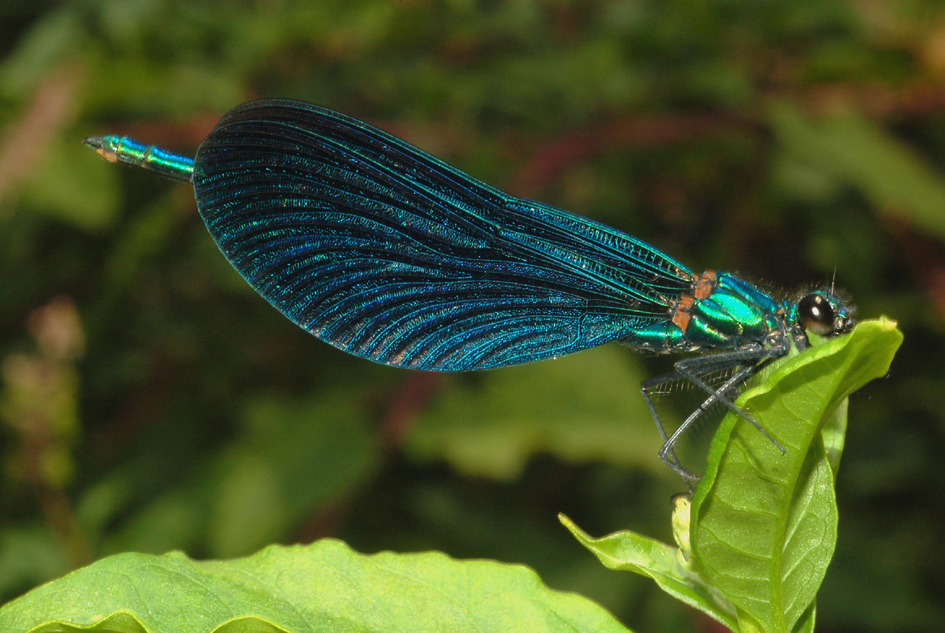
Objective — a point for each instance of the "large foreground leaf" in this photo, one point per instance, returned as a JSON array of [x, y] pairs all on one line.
[[764, 524], [320, 587]]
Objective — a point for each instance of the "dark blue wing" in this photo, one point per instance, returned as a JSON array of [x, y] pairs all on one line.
[[388, 253]]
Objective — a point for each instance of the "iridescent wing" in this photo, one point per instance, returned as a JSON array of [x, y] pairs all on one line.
[[390, 254]]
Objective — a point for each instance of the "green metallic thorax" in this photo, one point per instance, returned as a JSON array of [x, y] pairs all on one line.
[[733, 314], [723, 312]]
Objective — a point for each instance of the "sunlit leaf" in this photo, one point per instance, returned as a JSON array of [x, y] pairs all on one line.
[[629, 551], [764, 525], [320, 587]]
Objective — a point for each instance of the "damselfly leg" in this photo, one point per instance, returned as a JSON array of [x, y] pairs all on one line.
[[748, 361]]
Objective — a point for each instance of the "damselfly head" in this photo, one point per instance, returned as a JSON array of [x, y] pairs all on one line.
[[825, 312]]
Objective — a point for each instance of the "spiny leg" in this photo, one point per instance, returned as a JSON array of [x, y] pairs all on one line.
[[703, 365], [668, 457], [754, 358], [667, 451], [721, 397], [758, 357], [715, 395]]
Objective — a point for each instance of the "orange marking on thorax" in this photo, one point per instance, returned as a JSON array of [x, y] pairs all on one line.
[[703, 287], [682, 316]]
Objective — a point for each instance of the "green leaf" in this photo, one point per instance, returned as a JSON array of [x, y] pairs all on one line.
[[320, 587], [629, 551], [764, 524]]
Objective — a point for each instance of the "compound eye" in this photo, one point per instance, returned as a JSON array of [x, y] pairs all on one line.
[[816, 314]]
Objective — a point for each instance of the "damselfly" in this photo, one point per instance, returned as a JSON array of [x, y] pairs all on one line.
[[385, 252]]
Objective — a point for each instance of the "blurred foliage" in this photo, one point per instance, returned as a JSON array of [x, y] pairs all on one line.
[[792, 142]]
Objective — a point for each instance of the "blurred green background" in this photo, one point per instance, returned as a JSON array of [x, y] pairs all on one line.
[[151, 401]]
